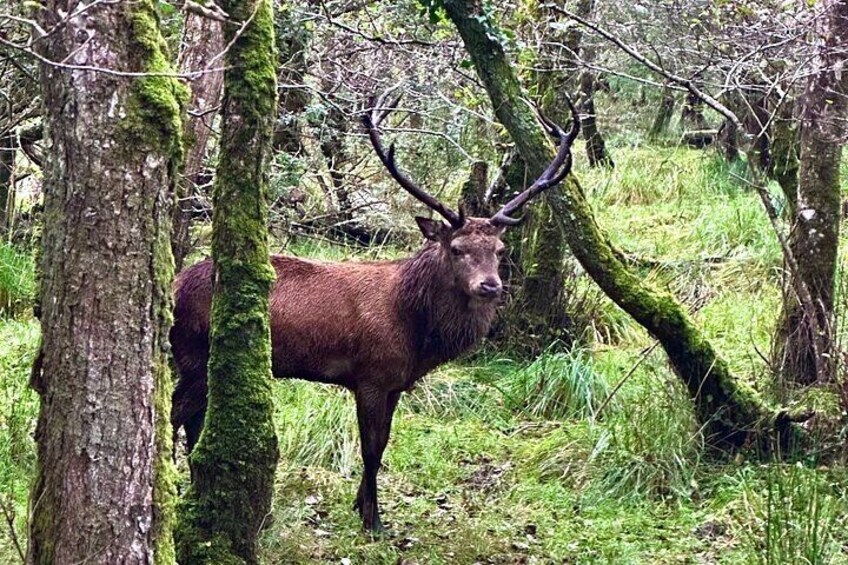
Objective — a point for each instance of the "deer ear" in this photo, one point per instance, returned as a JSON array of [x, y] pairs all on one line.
[[434, 230]]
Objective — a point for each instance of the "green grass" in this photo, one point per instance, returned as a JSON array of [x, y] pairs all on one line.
[[17, 280], [495, 461]]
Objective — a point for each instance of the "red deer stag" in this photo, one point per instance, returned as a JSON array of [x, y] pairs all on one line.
[[372, 327]]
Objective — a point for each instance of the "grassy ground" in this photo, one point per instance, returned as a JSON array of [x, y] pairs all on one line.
[[493, 461]]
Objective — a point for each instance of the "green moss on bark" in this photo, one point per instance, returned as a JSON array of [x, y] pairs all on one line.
[[154, 123], [233, 464]]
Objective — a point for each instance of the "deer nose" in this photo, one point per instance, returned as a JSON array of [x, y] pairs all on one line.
[[490, 288]]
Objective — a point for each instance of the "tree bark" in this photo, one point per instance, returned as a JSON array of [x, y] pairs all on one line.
[[292, 40], [815, 235], [473, 192], [202, 41], [104, 489], [7, 166], [693, 113], [783, 155], [729, 411], [596, 149], [664, 113], [234, 461]]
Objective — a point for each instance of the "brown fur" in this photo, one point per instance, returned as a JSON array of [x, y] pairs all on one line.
[[372, 327]]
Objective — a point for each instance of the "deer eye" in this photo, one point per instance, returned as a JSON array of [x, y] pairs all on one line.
[[456, 251]]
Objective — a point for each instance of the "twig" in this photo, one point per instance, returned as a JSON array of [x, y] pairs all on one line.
[[625, 378], [9, 514]]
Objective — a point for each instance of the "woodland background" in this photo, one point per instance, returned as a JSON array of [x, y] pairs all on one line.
[[568, 436]]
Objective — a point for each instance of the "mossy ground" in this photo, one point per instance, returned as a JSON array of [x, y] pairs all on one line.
[[476, 474]]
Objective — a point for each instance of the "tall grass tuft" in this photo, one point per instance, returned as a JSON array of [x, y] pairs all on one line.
[[795, 516], [555, 386], [316, 426], [17, 280], [650, 446]]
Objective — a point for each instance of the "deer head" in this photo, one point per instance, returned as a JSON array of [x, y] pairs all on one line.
[[472, 246]]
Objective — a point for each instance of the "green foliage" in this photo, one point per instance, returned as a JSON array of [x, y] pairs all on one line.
[[18, 411], [651, 445], [316, 427], [17, 280]]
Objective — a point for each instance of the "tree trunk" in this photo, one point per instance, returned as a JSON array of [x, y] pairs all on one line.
[[104, 489], [783, 161], [202, 41], [596, 149], [7, 166], [234, 461], [693, 113], [664, 113], [292, 40], [473, 194], [815, 236], [331, 136], [729, 411]]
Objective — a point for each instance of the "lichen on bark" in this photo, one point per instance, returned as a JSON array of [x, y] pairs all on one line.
[[233, 464]]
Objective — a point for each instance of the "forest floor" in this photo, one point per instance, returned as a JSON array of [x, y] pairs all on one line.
[[496, 461]]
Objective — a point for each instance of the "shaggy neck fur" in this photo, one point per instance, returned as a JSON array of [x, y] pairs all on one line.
[[444, 322]]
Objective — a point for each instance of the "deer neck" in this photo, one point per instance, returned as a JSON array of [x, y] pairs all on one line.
[[443, 321]]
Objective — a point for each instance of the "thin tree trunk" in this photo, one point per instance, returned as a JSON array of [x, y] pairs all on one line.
[[202, 41], [664, 113], [783, 161], [693, 113], [596, 149], [292, 40], [234, 461], [815, 237], [7, 166], [473, 193], [729, 411], [103, 491]]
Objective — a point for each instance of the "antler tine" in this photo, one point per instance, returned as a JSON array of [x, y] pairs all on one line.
[[553, 174], [371, 118]]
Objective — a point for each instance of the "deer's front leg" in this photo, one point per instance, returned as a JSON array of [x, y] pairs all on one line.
[[374, 411]]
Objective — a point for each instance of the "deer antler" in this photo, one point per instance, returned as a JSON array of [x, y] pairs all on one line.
[[553, 175], [371, 119]]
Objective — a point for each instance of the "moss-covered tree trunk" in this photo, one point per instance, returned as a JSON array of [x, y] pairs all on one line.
[[729, 411], [234, 461], [103, 491], [202, 41], [815, 235]]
